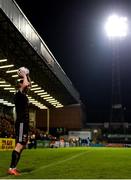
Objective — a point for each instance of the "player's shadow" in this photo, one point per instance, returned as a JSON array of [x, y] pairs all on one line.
[[27, 170]]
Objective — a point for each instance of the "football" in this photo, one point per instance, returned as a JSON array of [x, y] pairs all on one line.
[[23, 70]]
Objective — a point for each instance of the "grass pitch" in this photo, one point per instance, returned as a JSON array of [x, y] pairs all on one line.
[[70, 163]]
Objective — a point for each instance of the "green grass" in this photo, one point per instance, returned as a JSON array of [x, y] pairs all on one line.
[[71, 163]]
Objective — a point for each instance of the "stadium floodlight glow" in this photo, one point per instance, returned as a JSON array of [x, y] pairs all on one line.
[[2, 101], [47, 98], [33, 101], [8, 103], [33, 89], [5, 85], [50, 99], [42, 107], [54, 106], [12, 91], [42, 93], [5, 102], [35, 85], [36, 103], [59, 106], [9, 88], [45, 95], [12, 71], [53, 103], [116, 26], [29, 96], [39, 91], [12, 105], [14, 75], [3, 60], [2, 82], [6, 66]]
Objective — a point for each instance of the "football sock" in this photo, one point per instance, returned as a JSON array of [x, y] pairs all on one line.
[[15, 159]]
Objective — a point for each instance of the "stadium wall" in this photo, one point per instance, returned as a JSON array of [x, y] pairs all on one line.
[[69, 117]]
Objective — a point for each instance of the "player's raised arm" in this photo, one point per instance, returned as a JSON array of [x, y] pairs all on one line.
[[29, 80]]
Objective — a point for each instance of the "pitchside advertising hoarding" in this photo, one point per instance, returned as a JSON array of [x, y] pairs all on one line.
[[7, 144], [80, 134]]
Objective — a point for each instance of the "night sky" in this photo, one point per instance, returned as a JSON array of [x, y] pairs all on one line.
[[74, 32]]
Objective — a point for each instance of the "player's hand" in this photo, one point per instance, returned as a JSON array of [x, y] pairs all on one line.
[[21, 73]]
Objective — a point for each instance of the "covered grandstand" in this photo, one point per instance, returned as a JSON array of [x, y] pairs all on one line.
[[52, 93]]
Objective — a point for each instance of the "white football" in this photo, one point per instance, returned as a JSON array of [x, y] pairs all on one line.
[[23, 69]]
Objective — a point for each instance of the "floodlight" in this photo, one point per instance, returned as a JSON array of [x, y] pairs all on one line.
[[116, 26]]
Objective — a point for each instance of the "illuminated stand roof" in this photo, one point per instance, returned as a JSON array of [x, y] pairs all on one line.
[[20, 46]]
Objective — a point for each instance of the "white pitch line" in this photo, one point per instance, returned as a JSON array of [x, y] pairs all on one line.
[[59, 162], [49, 165]]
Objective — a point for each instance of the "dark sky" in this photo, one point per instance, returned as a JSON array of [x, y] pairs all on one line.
[[74, 32]]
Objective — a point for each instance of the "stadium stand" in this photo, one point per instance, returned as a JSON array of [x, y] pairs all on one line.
[[6, 127]]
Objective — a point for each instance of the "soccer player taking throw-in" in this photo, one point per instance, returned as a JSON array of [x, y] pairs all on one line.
[[22, 119]]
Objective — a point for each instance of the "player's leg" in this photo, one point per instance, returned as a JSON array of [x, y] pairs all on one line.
[[15, 159], [16, 155], [21, 140]]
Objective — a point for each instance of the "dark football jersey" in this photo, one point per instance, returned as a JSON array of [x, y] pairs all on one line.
[[22, 108]]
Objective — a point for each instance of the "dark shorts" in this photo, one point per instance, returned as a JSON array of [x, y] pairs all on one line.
[[21, 132]]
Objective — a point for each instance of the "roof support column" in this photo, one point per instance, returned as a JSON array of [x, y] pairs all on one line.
[[48, 120]]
